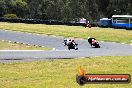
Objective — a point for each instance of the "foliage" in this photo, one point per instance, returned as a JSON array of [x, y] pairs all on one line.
[[65, 9], [10, 15]]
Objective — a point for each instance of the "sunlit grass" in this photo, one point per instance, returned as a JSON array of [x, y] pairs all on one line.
[[62, 73], [102, 34], [13, 46]]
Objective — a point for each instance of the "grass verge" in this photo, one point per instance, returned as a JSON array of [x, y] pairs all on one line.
[[4, 45], [62, 73], [102, 34]]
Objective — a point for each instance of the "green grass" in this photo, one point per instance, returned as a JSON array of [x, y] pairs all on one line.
[[13, 46], [62, 73], [102, 34]]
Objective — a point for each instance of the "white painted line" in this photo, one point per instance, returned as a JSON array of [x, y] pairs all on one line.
[[81, 57], [53, 49], [36, 45], [42, 46], [5, 30], [122, 43], [28, 44], [9, 41]]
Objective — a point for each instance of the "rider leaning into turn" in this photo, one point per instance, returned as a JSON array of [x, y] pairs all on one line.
[[69, 41], [91, 40]]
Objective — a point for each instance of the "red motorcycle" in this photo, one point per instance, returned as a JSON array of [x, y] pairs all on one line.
[[93, 42]]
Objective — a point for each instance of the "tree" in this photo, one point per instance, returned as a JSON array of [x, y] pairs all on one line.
[[3, 8], [20, 8], [66, 10]]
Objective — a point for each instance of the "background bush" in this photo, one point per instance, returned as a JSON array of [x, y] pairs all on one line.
[[10, 16]]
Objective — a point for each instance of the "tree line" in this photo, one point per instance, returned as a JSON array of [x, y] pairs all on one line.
[[65, 10]]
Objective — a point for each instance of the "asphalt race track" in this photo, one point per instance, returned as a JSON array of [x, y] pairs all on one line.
[[60, 51]]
